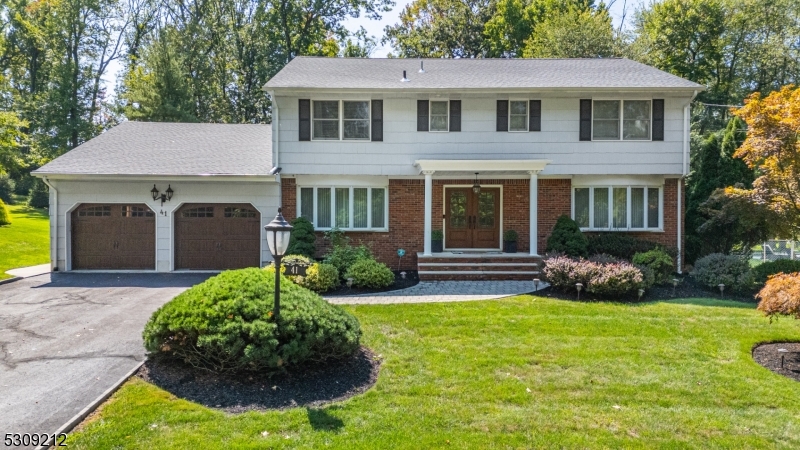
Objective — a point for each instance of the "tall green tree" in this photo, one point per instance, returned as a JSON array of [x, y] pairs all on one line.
[[575, 33]]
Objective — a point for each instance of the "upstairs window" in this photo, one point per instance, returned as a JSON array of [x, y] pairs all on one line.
[[345, 207], [518, 115], [439, 117], [628, 120], [336, 120], [617, 208]]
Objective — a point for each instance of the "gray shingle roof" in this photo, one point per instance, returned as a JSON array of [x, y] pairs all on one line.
[[151, 148], [374, 73]]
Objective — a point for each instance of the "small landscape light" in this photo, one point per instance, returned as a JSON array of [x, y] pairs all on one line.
[[536, 284], [641, 293], [674, 286], [403, 275], [721, 289], [349, 283], [783, 352], [579, 286]]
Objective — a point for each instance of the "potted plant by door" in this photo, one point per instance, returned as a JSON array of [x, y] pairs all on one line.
[[437, 240], [510, 241]]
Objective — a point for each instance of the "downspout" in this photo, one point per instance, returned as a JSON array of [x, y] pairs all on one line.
[[54, 242], [276, 140], [684, 173]]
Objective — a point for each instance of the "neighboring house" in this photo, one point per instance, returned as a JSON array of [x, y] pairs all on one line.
[[389, 150]]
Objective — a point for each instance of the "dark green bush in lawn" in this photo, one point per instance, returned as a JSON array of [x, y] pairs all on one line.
[[303, 239], [763, 271], [731, 270], [567, 238], [226, 324], [39, 196], [659, 262], [368, 273], [6, 189]]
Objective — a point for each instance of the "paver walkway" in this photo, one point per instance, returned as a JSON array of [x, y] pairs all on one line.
[[442, 291]]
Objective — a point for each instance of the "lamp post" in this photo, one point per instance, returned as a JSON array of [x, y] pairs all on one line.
[[278, 233]]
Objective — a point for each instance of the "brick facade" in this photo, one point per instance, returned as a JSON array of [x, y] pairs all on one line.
[[406, 215]]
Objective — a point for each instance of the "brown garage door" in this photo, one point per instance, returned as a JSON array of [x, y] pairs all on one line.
[[121, 237], [217, 236]]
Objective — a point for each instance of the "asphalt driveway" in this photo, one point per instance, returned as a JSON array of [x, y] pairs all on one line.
[[66, 338]]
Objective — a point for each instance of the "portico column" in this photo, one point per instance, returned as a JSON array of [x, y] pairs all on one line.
[[533, 213], [428, 211]]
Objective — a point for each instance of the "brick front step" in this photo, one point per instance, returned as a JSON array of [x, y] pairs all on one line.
[[478, 266]]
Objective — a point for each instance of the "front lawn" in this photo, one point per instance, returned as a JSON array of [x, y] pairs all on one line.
[[26, 242], [525, 372]]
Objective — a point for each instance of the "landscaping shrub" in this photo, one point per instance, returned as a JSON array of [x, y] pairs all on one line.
[[621, 245], [368, 273], [658, 261], [6, 189], [780, 296], [603, 258], [39, 196], [342, 255], [320, 277], [567, 238], [611, 279], [303, 239], [731, 270], [226, 324], [5, 216], [648, 277], [763, 271]]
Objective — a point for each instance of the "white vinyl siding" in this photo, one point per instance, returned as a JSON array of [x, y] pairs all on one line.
[[617, 208], [345, 207], [628, 120]]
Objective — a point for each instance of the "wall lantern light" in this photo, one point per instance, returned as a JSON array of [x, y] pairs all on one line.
[[165, 197], [476, 188], [278, 233]]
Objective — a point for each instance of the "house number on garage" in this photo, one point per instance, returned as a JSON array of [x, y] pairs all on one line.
[[295, 269]]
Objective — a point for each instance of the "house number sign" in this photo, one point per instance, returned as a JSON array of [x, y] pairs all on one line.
[[295, 269]]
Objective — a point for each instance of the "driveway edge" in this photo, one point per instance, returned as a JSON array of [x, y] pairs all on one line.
[[78, 418], [9, 280]]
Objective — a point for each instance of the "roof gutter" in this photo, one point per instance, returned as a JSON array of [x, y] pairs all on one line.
[[54, 221], [151, 177]]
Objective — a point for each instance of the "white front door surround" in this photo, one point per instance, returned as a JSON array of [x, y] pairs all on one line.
[[487, 168]]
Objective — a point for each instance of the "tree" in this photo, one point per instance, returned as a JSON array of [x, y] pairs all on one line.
[[12, 140], [772, 149], [734, 223], [576, 33]]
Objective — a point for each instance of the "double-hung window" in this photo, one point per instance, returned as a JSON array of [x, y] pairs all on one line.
[[618, 207], [439, 113], [345, 207], [518, 115], [336, 120], [627, 120]]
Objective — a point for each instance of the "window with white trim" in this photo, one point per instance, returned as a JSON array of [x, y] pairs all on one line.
[[439, 112], [345, 207], [340, 120], [627, 120], [518, 115], [618, 208]]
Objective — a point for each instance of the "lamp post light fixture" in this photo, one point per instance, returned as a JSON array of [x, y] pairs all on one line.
[[721, 289], [476, 188], [579, 286], [536, 284], [278, 233], [674, 286], [641, 293], [165, 196]]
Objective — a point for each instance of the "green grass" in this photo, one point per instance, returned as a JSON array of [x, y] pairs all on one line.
[[26, 242], [525, 372]]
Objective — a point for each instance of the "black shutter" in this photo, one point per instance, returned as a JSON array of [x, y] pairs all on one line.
[[502, 115], [305, 119], [586, 120], [535, 116], [455, 115], [377, 120], [422, 115], [658, 119]]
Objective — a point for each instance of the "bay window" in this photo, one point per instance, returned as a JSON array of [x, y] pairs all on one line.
[[346, 208], [617, 207]]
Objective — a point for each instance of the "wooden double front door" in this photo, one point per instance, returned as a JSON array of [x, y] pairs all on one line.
[[217, 236], [472, 220]]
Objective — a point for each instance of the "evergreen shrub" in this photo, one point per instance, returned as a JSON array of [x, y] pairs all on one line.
[[567, 238]]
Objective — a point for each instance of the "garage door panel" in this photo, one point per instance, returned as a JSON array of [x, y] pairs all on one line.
[[113, 237], [217, 236]]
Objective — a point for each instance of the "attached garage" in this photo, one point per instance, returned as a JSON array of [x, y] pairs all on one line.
[[164, 197], [217, 236], [113, 237]]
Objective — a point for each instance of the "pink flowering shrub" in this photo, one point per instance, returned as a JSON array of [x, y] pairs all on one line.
[[604, 279]]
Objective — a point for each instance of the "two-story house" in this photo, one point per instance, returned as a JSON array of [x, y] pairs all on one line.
[[389, 151]]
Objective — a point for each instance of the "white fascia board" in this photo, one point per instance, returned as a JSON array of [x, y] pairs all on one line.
[[480, 165], [156, 177]]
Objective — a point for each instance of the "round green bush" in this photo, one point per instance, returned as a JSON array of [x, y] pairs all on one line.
[[5, 216], [321, 277], [567, 238], [658, 261], [763, 271], [39, 196], [226, 324], [303, 240], [731, 270], [368, 273], [342, 256]]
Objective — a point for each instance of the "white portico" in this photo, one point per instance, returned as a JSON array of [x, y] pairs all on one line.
[[476, 224]]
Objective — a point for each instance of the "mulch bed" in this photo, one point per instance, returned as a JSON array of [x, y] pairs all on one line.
[[237, 393], [768, 356], [411, 279], [687, 288]]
